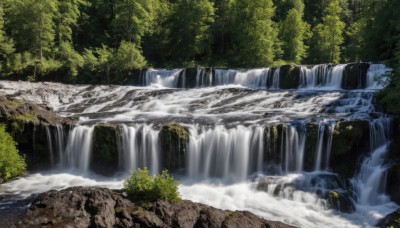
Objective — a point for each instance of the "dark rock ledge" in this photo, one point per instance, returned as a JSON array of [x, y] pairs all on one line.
[[101, 207]]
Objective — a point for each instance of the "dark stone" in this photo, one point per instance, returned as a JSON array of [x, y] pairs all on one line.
[[105, 150], [174, 141], [341, 201], [100, 207], [349, 143], [289, 77], [393, 175], [355, 76], [391, 220]]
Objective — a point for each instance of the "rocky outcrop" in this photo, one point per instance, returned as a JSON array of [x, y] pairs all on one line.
[[354, 76], [28, 123], [289, 77], [174, 141], [105, 150], [100, 207], [391, 220]]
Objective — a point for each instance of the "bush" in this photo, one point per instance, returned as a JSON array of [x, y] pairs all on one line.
[[141, 187], [11, 163]]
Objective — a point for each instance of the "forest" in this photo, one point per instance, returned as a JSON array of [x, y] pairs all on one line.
[[88, 37]]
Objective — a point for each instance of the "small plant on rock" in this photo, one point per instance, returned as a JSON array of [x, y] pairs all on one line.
[[141, 187]]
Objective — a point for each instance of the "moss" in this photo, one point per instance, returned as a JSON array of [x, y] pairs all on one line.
[[348, 144], [174, 140], [105, 150], [289, 77], [14, 103], [24, 117], [334, 195], [231, 215]]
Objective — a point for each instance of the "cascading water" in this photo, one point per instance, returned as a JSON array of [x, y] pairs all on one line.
[[79, 147], [370, 182], [164, 78], [139, 147], [377, 76], [249, 141]]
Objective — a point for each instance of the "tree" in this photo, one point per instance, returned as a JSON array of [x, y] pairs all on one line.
[[32, 23], [133, 18], [67, 17], [255, 41], [329, 34], [188, 35], [128, 57], [294, 31], [6, 44]]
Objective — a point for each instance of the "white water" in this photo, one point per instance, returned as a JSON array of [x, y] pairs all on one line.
[[378, 76], [139, 148], [229, 135]]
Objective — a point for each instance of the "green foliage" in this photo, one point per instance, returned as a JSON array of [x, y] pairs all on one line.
[[255, 37], [11, 163], [141, 187], [328, 35], [294, 31], [128, 56], [188, 36]]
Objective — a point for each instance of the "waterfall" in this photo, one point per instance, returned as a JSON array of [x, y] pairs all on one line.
[[254, 78], [203, 78], [79, 147], [60, 141], [324, 145], [139, 147], [225, 153], [322, 76], [50, 145], [275, 79], [370, 182], [294, 148], [163, 78], [378, 76]]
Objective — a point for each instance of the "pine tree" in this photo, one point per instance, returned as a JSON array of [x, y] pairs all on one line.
[[32, 23], [67, 17], [6, 44], [329, 34], [294, 31], [255, 34], [188, 38]]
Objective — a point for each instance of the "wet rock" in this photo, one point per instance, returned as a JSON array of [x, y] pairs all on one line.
[[391, 220], [174, 141], [355, 76], [289, 77], [348, 144], [100, 207], [341, 201], [105, 150]]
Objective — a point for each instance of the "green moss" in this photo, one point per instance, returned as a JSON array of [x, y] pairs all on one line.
[[231, 215], [178, 130], [334, 195], [14, 103], [174, 140], [24, 117]]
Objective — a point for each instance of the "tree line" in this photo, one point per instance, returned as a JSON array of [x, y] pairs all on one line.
[[38, 37]]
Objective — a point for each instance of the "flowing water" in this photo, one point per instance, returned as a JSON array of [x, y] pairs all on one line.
[[247, 139]]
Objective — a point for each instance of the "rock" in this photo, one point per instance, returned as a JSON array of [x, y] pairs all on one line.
[[289, 77], [174, 141], [101, 207], [105, 150], [391, 220], [341, 201]]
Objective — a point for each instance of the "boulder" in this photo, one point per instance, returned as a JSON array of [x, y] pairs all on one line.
[[391, 220], [101, 207], [174, 142]]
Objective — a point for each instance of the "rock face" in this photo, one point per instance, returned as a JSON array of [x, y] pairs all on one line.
[[391, 220], [100, 207]]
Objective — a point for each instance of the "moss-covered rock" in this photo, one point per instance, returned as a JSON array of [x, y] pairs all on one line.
[[350, 141], [174, 141], [273, 136], [341, 201], [105, 150], [355, 76], [391, 220], [289, 77], [310, 146]]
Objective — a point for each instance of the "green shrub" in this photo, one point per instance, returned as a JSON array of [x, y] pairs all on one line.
[[141, 187], [11, 163]]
